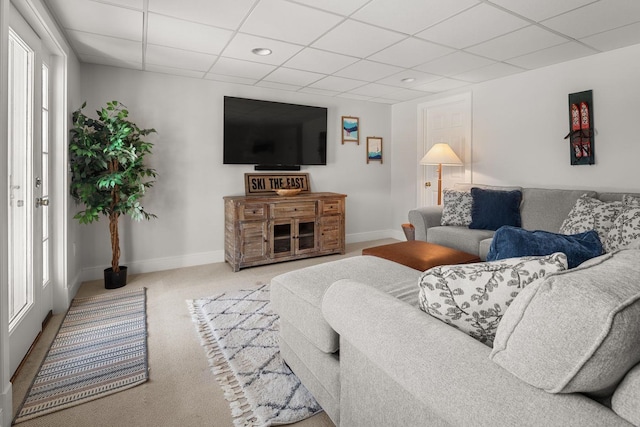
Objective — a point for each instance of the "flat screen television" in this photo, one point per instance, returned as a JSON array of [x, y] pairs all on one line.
[[274, 135]]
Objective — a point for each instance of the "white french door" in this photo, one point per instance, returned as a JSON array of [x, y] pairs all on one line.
[[446, 120], [30, 294]]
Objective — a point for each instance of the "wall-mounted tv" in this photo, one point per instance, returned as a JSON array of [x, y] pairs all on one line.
[[274, 135]]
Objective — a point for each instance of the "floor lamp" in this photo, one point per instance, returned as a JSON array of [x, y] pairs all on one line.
[[441, 155]]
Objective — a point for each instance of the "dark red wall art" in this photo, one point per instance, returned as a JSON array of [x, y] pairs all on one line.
[[581, 134]]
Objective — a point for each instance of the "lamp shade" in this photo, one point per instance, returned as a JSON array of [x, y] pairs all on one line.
[[441, 154]]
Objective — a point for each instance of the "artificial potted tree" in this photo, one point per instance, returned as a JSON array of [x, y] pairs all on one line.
[[109, 175]]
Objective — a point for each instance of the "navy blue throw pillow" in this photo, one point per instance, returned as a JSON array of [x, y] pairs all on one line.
[[511, 242], [492, 209]]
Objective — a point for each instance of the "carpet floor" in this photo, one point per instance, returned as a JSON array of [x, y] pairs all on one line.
[[181, 390]]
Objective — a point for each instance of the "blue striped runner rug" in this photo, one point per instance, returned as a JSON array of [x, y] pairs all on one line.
[[100, 349], [240, 335]]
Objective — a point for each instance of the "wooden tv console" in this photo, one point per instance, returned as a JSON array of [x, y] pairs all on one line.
[[267, 229]]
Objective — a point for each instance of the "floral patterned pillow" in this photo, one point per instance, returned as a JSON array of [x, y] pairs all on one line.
[[629, 200], [474, 297], [625, 230], [456, 209], [591, 214]]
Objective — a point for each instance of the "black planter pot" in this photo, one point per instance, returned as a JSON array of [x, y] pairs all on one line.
[[115, 280]]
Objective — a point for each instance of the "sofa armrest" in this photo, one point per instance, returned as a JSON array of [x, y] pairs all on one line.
[[447, 371], [424, 218]]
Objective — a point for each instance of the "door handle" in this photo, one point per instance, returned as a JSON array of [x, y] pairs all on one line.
[[42, 201]]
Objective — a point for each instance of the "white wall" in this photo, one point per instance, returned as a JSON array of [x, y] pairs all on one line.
[[519, 123], [187, 113]]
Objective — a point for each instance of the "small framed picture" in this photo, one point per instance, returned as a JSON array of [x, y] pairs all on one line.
[[350, 129], [374, 149]]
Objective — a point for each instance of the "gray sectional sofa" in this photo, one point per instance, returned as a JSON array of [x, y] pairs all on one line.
[[353, 333], [541, 209]]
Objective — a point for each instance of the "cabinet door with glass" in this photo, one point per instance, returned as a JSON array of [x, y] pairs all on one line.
[[291, 237]]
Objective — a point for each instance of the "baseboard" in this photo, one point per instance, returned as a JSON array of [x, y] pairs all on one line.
[[6, 405], [168, 263], [158, 264]]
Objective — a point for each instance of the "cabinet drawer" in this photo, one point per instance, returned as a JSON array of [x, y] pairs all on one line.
[[293, 210], [253, 211], [331, 206]]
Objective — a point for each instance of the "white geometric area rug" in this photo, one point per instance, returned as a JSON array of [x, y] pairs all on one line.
[[240, 335]]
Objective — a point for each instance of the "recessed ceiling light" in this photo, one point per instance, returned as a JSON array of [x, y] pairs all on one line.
[[262, 51], [408, 80]]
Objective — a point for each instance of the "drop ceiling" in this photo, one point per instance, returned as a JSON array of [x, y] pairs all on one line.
[[385, 51]]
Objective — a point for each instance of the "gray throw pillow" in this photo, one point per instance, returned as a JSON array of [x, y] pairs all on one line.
[[474, 297]]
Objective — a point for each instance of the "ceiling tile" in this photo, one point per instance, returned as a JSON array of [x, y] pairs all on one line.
[[490, 72], [221, 13], [518, 43], [410, 52], [242, 44], [382, 101], [541, 9], [419, 78], [230, 79], [357, 39], [596, 17], [106, 47], [614, 39], [350, 95], [110, 61], [177, 58], [238, 68], [441, 85], [173, 71], [99, 18], [406, 94], [316, 91], [133, 4], [343, 7], [410, 16], [456, 63], [368, 70], [339, 84], [373, 90], [473, 26], [552, 55], [279, 86], [293, 77], [283, 20], [319, 61], [186, 35]]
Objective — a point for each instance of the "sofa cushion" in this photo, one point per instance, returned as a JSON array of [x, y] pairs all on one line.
[[591, 214], [546, 209], [576, 331], [510, 242], [625, 230], [458, 237], [297, 295], [625, 400], [474, 297], [492, 209], [456, 207]]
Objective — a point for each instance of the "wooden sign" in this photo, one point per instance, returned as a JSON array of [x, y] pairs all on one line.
[[259, 183]]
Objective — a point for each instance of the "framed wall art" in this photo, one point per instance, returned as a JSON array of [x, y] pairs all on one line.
[[350, 129], [374, 149], [581, 134]]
